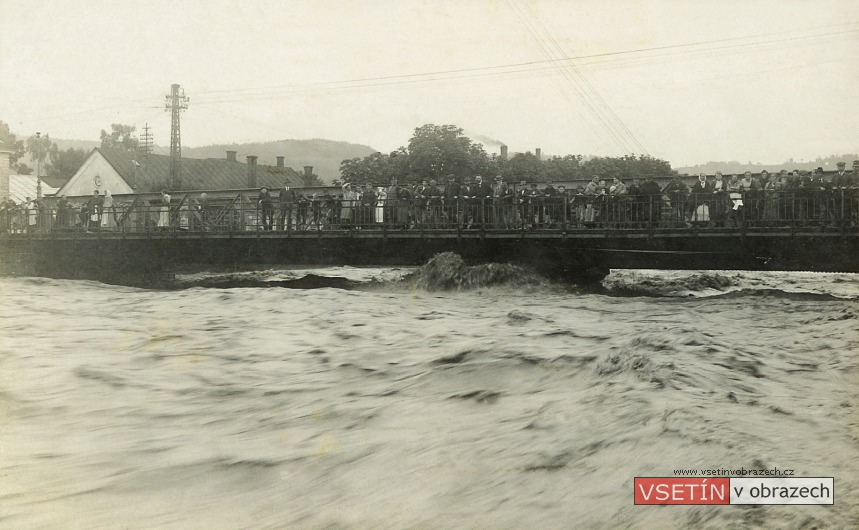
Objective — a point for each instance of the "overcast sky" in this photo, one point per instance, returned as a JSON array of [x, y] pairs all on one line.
[[687, 81]]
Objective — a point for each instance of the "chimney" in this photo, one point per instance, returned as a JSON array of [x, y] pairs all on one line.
[[503, 152], [252, 171], [538, 153], [280, 161], [308, 172], [231, 156], [5, 171]]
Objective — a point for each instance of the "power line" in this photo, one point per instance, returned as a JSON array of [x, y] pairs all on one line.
[[565, 57], [608, 59], [612, 117], [583, 91]]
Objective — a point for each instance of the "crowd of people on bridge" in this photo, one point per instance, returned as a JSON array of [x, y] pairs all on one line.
[[798, 198]]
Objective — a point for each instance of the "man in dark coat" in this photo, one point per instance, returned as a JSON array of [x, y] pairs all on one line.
[[434, 204], [266, 207], [419, 202], [678, 193], [482, 193], [701, 192], [94, 205], [822, 192], [286, 203], [651, 196], [450, 197], [368, 202], [843, 190]]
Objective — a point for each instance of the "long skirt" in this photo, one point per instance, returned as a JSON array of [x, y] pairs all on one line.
[[164, 216]]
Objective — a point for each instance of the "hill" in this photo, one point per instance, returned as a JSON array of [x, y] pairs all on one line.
[[827, 163], [324, 155]]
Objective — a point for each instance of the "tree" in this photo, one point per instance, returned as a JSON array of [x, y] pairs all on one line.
[[12, 143], [121, 137], [39, 147], [439, 150], [377, 169], [64, 164], [524, 166], [562, 168], [435, 151], [626, 167]]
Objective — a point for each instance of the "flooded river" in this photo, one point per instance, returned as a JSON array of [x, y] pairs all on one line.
[[428, 402]]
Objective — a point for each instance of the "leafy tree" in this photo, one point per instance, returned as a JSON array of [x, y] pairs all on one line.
[[22, 169], [564, 168], [121, 137], [64, 164], [12, 143], [435, 151], [39, 147], [438, 150], [377, 169], [626, 167], [525, 166], [480, 163]]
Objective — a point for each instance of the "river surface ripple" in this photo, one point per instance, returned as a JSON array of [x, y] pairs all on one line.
[[388, 407]]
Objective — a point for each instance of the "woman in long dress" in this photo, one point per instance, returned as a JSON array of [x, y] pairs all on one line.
[[108, 217], [346, 205], [380, 205], [164, 212]]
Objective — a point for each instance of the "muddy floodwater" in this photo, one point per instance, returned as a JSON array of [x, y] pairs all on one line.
[[424, 403]]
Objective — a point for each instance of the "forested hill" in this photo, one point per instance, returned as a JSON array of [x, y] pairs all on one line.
[[324, 155], [827, 163]]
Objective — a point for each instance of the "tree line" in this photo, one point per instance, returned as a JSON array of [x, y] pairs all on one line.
[[435, 151]]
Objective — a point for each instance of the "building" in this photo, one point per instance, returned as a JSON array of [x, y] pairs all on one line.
[[124, 172], [23, 186]]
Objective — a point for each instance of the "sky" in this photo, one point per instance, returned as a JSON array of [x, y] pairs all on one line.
[[689, 82]]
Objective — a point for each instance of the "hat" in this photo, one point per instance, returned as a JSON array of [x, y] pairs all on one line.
[[451, 177], [432, 182], [497, 177], [840, 164]]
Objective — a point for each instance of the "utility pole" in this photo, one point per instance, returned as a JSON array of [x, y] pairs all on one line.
[[176, 102], [146, 141], [39, 157]]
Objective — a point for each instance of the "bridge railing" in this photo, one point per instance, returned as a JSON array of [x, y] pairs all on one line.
[[241, 214]]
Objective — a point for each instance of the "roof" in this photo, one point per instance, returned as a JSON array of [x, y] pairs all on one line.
[[151, 172], [23, 186]]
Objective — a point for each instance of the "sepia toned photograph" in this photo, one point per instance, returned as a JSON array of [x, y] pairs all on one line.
[[485, 264]]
